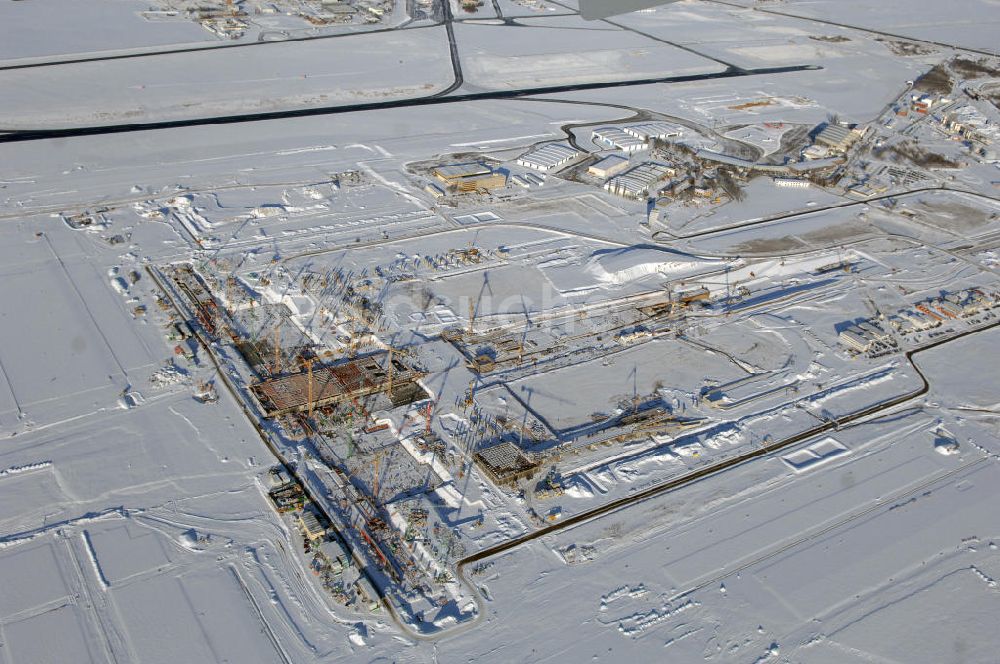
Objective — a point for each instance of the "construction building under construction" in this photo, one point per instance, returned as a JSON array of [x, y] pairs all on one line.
[[470, 177], [505, 463], [328, 385]]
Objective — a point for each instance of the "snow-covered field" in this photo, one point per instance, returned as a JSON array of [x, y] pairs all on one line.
[[759, 426], [230, 81]]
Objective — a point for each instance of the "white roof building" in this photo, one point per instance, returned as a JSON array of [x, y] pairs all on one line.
[[873, 330], [649, 130], [279, 477], [614, 137], [638, 182], [973, 124], [610, 165], [791, 182], [449, 172], [335, 554], [919, 320], [548, 157], [837, 137], [904, 325], [855, 339]]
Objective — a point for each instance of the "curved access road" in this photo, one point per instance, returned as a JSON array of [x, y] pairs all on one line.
[[23, 135], [707, 471]]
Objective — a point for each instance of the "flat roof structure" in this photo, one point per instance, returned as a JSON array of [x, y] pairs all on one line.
[[453, 172], [311, 526], [505, 463], [837, 137], [610, 165], [331, 384], [792, 182], [335, 553], [855, 339], [948, 309]]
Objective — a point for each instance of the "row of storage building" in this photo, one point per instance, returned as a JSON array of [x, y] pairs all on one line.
[[639, 181], [634, 138], [548, 157], [869, 335], [618, 139], [932, 313]]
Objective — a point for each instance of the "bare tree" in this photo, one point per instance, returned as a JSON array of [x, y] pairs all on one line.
[[730, 185]]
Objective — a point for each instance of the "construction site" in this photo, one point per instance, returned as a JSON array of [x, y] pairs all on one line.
[[498, 380], [379, 462], [448, 352], [305, 396], [499, 331]]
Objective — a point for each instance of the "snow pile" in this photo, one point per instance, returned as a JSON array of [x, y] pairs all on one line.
[[644, 621], [168, 375], [88, 546], [946, 446], [620, 266], [131, 400], [192, 540], [267, 210], [578, 487], [449, 495], [189, 539]]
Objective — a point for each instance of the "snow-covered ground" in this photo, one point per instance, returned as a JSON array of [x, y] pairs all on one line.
[[722, 470]]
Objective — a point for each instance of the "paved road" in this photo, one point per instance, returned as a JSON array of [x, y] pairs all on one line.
[[456, 59], [9, 136]]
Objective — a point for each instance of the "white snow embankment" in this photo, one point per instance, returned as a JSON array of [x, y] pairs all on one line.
[[88, 545], [620, 266], [26, 468]]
